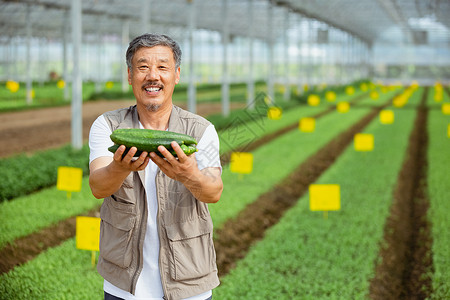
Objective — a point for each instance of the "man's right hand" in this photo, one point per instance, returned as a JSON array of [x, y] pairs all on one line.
[[108, 173]]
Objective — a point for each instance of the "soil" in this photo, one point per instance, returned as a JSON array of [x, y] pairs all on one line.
[[404, 254], [26, 248], [236, 236], [46, 128], [406, 261]]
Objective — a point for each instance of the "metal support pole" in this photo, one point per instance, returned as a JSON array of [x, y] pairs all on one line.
[[145, 16], [65, 42], [77, 126], [270, 79], [192, 106], [123, 47], [287, 90], [29, 80], [251, 80], [301, 76], [225, 71]]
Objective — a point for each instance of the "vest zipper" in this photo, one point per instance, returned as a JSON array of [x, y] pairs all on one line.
[[163, 284]]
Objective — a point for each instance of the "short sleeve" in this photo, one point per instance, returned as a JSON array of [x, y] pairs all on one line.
[[99, 139], [208, 149]]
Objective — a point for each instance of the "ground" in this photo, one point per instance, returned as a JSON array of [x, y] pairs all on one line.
[[38, 129]]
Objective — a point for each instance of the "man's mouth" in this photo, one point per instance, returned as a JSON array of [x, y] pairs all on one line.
[[153, 88]]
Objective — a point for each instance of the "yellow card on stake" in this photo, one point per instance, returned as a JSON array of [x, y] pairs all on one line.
[[343, 107], [307, 124], [241, 162], [324, 197], [363, 142], [274, 113], [88, 233], [69, 179], [386, 116]]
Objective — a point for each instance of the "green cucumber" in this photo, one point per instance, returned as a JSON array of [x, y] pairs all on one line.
[[148, 139], [187, 149]]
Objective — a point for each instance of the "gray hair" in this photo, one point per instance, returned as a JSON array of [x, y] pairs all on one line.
[[152, 40]]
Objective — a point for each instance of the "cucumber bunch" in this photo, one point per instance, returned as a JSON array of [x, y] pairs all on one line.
[[149, 140]]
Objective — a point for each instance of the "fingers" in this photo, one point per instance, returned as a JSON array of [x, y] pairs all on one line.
[[128, 161]]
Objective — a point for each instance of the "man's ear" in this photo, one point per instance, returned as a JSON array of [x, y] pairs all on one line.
[[129, 76], [177, 78]]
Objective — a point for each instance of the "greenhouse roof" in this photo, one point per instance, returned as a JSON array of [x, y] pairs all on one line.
[[407, 21]]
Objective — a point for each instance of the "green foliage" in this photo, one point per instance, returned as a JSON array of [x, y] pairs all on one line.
[[28, 214], [63, 272], [23, 174], [438, 187], [274, 161], [306, 256]]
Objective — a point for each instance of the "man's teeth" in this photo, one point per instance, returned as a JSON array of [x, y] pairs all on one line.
[[152, 89]]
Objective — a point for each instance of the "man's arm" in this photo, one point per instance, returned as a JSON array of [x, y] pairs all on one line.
[[108, 173], [206, 185]]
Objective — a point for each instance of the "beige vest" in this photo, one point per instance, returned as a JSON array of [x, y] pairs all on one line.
[[187, 258]]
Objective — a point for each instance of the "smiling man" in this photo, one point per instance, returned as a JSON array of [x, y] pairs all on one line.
[[156, 230]]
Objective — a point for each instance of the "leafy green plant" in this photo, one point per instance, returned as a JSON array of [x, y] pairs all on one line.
[[23, 174], [309, 257]]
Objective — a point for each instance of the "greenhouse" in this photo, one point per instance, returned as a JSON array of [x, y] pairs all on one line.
[[333, 119]]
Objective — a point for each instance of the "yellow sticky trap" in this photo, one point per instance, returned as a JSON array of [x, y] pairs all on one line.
[[324, 197], [400, 101], [363, 86], [330, 96], [307, 124], [349, 90], [241, 162], [343, 107], [12, 86], [313, 100], [374, 95], [88, 233], [446, 108], [274, 113], [109, 85], [386, 116], [438, 96], [363, 142], [69, 179], [61, 84]]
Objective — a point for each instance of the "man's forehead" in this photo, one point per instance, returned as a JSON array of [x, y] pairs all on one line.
[[161, 53]]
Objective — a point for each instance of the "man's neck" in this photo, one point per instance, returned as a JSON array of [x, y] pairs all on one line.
[[157, 120]]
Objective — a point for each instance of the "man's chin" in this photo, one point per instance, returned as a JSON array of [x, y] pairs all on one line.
[[153, 107]]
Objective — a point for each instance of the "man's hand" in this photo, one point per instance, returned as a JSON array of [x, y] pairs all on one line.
[[205, 185], [129, 162], [108, 173]]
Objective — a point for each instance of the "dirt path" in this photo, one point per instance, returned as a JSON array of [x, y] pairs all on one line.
[[404, 271], [46, 128], [236, 236]]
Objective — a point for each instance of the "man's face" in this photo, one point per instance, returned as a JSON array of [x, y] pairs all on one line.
[[153, 76]]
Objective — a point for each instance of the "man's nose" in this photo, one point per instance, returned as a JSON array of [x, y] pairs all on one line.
[[152, 74]]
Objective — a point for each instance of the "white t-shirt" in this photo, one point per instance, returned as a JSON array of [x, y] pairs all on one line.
[[149, 285]]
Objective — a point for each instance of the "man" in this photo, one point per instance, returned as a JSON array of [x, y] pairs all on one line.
[[156, 230]]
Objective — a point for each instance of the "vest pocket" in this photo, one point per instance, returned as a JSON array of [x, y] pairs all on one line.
[[192, 249], [117, 222]]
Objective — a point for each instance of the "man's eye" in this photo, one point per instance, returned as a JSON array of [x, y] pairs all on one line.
[[142, 67]]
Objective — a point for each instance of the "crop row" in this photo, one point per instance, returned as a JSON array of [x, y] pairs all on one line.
[[309, 257], [24, 174], [268, 158], [438, 191], [38, 216]]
